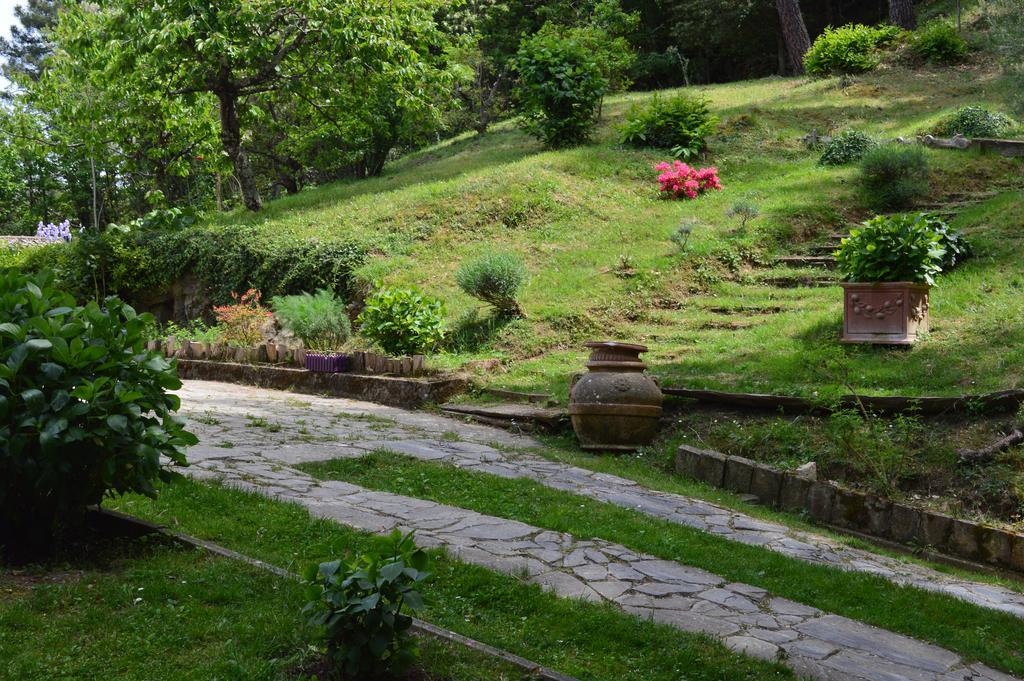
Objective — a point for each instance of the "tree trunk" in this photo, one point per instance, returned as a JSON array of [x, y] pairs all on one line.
[[794, 32], [901, 13], [231, 138]]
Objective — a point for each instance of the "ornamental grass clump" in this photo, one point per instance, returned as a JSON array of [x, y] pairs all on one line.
[[681, 181], [360, 607], [893, 177], [681, 123], [319, 319], [908, 247], [495, 278], [85, 411], [939, 42]]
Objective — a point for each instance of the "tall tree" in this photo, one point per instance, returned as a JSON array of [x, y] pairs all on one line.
[[23, 53], [794, 33], [238, 49], [901, 13]]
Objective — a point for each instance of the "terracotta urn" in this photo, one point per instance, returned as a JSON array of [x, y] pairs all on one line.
[[886, 313], [615, 406]]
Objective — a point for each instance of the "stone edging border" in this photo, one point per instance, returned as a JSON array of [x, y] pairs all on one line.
[[1002, 401], [394, 391], [845, 509], [534, 670]]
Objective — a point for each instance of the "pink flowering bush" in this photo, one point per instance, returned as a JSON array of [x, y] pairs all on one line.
[[682, 181]]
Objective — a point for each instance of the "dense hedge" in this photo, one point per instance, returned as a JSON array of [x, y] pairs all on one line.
[[131, 262]]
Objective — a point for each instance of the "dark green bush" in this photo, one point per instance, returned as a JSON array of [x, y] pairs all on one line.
[[680, 123], [560, 88], [846, 147], [973, 121], [85, 411], [894, 176], [360, 605], [887, 248], [320, 320], [848, 49], [403, 321], [939, 42], [495, 278]]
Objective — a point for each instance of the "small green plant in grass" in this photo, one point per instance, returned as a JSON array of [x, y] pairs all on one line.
[[973, 121], [495, 278], [361, 605], [319, 319], [848, 49], [939, 42], [403, 321], [681, 236], [85, 411], [846, 147], [745, 211], [893, 177], [889, 248], [681, 123]]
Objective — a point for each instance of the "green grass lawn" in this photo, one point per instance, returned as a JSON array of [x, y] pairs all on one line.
[[155, 610], [586, 640], [972, 631], [595, 237]]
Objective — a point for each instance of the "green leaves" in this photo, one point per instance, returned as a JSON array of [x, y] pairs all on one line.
[[359, 603], [85, 413], [403, 321], [905, 247]]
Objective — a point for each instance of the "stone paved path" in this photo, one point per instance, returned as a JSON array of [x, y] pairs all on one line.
[[301, 428]]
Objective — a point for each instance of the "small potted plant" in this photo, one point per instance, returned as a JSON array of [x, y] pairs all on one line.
[[889, 265], [321, 322]]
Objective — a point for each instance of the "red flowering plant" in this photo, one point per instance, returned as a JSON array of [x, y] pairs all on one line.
[[242, 322], [681, 181]]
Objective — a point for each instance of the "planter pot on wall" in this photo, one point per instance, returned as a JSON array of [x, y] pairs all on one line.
[[891, 313], [326, 362], [616, 406]]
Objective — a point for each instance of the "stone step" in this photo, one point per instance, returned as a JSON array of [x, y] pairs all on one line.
[[512, 416], [825, 261]]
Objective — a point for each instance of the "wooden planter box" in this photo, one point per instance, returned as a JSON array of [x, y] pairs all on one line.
[[890, 313]]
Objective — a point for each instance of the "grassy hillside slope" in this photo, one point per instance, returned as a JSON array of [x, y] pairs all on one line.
[[590, 225]]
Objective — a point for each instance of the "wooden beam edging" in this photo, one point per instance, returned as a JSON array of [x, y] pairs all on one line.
[[535, 670], [999, 402]]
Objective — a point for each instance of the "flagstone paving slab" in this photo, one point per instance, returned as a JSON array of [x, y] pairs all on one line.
[[234, 420]]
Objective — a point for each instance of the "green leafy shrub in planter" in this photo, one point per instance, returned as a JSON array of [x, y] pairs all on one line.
[[402, 321], [973, 121], [846, 147], [888, 248], [360, 606], [85, 411], [939, 42], [680, 123], [560, 88], [320, 320], [495, 278], [847, 49], [893, 176]]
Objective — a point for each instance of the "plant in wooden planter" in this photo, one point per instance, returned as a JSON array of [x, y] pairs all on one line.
[[890, 264], [321, 322]]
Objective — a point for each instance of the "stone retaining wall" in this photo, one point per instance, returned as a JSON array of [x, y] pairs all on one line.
[[407, 393], [839, 507]]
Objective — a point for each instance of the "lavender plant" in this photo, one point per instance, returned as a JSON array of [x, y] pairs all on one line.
[[54, 233]]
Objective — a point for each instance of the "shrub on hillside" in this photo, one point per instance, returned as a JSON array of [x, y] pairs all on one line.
[[847, 49], [360, 606], [85, 411], [403, 321], [681, 181], [494, 278], [938, 42], [680, 123], [888, 248], [560, 88], [894, 176], [242, 323], [973, 121], [846, 147], [320, 319]]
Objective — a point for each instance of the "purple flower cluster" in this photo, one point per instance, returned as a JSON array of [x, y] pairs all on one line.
[[54, 233]]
